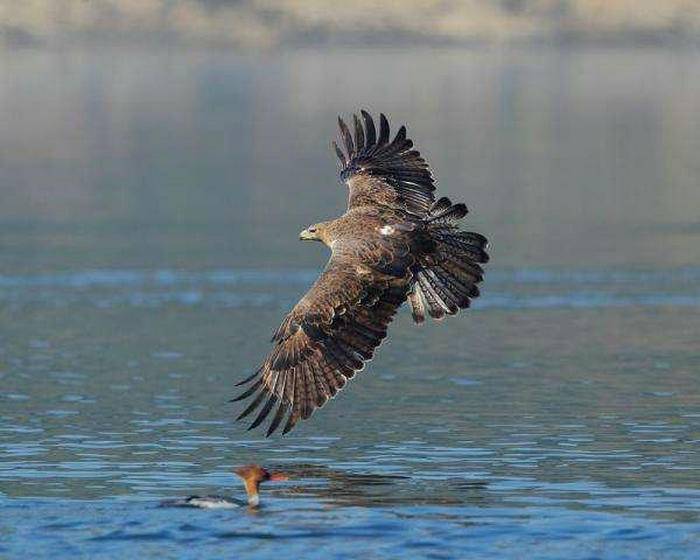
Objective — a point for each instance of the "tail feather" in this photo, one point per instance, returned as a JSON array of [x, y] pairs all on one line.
[[455, 285], [440, 205], [446, 276], [461, 243], [417, 307], [460, 266], [445, 295], [436, 308], [444, 211]]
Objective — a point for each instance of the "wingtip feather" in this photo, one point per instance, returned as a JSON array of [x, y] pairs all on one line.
[[252, 406], [383, 129], [249, 378], [249, 391]]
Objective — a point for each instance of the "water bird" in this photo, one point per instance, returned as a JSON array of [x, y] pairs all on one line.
[[253, 476], [395, 243]]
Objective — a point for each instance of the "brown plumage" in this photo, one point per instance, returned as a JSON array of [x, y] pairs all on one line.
[[395, 242]]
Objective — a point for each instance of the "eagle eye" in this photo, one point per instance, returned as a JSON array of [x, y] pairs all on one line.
[[312, 229]]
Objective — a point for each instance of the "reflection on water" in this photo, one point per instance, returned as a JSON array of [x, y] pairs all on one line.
[[193, 159], [148, 247]]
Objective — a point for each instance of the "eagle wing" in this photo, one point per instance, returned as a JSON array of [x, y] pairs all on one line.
[[382, 172], [326, 338]]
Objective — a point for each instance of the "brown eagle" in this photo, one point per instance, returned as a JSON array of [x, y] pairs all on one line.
[[394, 243]]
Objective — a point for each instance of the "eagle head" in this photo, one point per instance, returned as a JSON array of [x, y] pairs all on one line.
[[313, 233]]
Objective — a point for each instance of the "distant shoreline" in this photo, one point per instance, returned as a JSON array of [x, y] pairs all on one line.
[[533, 46], [269, 25]]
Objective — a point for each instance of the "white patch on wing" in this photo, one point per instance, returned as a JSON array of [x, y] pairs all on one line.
[[387, 230]]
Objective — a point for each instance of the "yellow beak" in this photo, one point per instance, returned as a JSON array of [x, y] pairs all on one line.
[[305, 235]]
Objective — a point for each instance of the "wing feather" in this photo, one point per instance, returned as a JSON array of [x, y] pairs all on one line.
[[282, 408], [359, 134], [370, 131], [340, 154], [383, 172], [253, 405], [250, 390], [383, 130], [328, 337], [347, 137], [264, 412]]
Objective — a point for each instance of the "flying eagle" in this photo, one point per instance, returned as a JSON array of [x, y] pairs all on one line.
[[394, 243]]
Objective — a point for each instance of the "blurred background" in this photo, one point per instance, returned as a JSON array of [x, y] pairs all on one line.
[[260, 24], [177, 133], [157, 161]]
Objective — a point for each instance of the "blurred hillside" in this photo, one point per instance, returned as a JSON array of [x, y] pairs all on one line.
[[271, 23]]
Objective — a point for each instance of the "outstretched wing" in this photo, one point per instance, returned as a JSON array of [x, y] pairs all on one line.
[[327, 337], [382, 172]]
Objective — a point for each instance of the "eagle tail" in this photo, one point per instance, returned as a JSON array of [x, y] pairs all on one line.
[[446, 277]]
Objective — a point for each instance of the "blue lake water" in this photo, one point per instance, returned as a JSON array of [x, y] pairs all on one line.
[[148, 247]]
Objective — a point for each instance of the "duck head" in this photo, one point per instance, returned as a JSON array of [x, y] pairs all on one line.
[[253, 476]]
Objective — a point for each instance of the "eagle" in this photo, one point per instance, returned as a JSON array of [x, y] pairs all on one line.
[[395, 243]]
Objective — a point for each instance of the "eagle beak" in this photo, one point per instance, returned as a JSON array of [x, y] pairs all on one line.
[[304, 235]]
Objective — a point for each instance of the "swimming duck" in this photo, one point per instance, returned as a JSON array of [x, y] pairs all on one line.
[[252, 475]]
